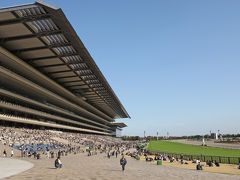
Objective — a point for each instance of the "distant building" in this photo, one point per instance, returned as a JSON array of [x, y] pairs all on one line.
[[214, 136]]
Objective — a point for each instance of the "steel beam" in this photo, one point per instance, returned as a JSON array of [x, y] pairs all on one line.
[[40, 34], [41, 47], [25, 19], [55, 65], [65, 82], [75, 85], [49, 57], [64, 77]]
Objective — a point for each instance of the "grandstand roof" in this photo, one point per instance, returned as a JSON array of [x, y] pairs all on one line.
[[119, 124], [41, 35]]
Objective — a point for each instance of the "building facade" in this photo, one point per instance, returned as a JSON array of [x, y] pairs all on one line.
[[48, 79]]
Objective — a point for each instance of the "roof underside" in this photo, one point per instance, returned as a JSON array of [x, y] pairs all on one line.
[[41, 35], [119, 124]]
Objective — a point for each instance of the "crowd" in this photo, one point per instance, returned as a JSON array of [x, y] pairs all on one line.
[[151, 157], [36, 143]]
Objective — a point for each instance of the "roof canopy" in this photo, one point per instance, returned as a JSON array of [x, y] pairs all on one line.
[[41, 35], [119, 124]]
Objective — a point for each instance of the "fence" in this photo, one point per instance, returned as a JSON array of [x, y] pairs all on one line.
[[220, 159]]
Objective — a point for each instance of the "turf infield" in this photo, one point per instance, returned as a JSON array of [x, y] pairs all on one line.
[[174, 147]]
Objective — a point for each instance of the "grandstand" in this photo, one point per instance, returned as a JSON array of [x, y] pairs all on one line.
[[48, 79]]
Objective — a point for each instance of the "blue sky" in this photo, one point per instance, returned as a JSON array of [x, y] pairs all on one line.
[[173, 64]]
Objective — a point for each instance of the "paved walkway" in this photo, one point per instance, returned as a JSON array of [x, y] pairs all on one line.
[[99, 167], [9, 167]]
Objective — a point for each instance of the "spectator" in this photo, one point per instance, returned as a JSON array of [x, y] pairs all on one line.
[[4, 153], [108, 154], [123, 162], [12, 153], [58, 163], [199, 166], [209, 163], [217, 164]]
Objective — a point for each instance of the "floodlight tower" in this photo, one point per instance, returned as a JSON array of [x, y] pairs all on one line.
[[218, 134], [157, 135], [203, 141]]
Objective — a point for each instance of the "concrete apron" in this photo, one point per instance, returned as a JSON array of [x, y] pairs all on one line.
[[9, 167]]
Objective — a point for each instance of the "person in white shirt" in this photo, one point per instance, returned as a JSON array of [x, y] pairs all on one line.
[[4, 153], [12, 153], [58, 163]]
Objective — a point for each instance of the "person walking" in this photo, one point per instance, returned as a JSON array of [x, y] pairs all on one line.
[[4, 153], [12, 153], [59, 153], [123, 162]]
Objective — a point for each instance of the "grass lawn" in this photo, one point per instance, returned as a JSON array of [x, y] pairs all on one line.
[[174, 147]]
